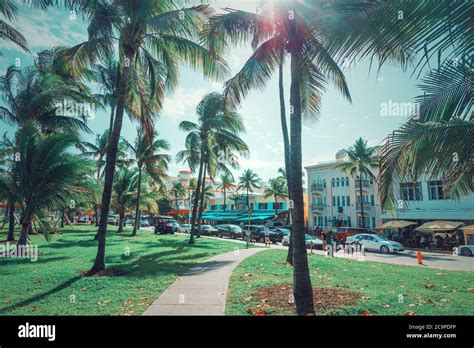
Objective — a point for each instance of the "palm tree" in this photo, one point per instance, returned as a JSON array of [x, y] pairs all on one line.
[[46, 175], [97, 150], [7, 163], [438, 142], [125, 190], [179, 191], [217, 131], [248, 181], [148, 159], [276, 189], [227, 183], [9, 10], [361, 160], [154, 38]]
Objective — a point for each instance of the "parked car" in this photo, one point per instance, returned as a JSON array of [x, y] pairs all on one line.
[[375, 243], [231, 231], [464, 250], [144, 223], [185, 228], [83, 219], [208, 230], [271, 224], [341, 233], [281, 232], [259, 233], [164, 224], [112, 220], [315, 242]]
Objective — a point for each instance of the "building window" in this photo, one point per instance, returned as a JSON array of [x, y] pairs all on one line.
[[333, 200], [411, 192], [213, 206], [372, 201], [325, 221], [347, 181], [337, 182], [349, 221], [279, 205], [251, 206], [343, 201], [348, 200], [324, 183], [338, 201], [342, 182], [263, 206], [332, 182], [231, 207], [435, 190], [373, 222]]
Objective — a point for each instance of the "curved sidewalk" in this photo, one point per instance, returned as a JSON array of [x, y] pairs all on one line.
[[202, 290]]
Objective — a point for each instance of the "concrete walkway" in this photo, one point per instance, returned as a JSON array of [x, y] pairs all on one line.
[[202, 290]]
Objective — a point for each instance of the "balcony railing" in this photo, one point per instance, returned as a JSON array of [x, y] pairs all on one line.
[[365, 183], [317, 187], [317, 206], [366, 205]]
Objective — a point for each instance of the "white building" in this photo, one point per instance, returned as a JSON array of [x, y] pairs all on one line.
[[333, 200], [334, 197]]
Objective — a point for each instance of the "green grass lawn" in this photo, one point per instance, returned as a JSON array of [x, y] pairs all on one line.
[[425, 291], [50, 285]]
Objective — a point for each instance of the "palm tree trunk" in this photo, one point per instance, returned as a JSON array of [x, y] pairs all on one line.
[[248, 199], [224, 199], [25, 227], [276, 203], [111, 124], [11, 222], [302, 288], [96, 215], [121, 218], [361, 201], [286, 148], [111, 158], [196, 198], [137, 207], [203, 191]]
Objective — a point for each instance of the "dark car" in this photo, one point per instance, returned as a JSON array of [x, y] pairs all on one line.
[[281, 232], [164, 224], [231, 231], [259, 233], [207, 230]]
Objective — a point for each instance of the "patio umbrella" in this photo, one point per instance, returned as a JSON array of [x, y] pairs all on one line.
[[395, 224], [470, 228], [439, 226]]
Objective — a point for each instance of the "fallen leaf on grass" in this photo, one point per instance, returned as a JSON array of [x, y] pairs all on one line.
[[38, 281], [34, 308], [366, 314], [249, 275], [409, 313]]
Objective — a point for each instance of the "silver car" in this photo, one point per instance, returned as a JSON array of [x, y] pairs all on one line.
[[375, 243]]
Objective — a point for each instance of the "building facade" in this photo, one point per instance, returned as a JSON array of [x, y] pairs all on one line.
[[333, 198]]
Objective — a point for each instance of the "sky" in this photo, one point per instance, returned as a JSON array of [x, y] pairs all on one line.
[[339, 125]]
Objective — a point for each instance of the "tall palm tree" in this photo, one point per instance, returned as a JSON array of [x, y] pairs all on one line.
[[248, 181], [7, 163], [125, 191], [294, 28], [438, 142], [154, 37], [362, 159], [179, 191], [276, 189], [97, 150], [46, 175], [227, 183], [9, 10], [148, 159], [217, 131]]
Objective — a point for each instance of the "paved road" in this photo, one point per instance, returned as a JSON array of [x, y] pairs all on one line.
[[408, 257], [202, 290]]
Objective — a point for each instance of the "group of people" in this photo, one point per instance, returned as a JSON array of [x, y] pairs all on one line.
[[428, 241]]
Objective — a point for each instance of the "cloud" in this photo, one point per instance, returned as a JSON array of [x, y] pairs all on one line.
[[183, 102]]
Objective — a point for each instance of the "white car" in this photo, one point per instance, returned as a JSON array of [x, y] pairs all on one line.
[[185, 228], [375, 243], [315, 242], [464, 250]]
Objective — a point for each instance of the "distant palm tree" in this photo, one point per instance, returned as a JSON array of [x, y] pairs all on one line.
[[276, 189], [125, 190], [362, 159], [147, 158], [209, 142], [227, 183], [7, 162], [46, 175], [179, 191], [248, 181], [97, 150]]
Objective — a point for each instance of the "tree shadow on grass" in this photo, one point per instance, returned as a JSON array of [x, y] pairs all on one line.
[[41, 296]]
